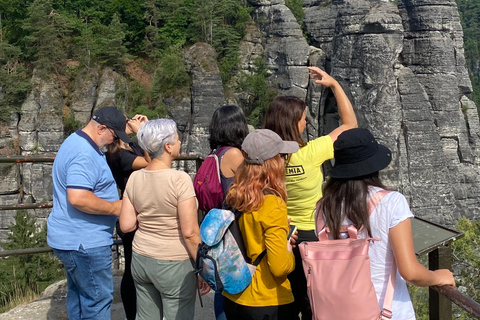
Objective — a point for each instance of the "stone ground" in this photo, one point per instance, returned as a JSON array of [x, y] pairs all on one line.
[[51, 305]]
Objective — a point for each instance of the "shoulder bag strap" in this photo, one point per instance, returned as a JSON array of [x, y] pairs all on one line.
[[237, 235], [387, 301]]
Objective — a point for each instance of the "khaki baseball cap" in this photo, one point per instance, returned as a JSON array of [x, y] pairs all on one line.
[[263, 144]]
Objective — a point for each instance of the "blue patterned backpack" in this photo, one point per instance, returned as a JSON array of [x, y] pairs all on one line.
[[221, 257]]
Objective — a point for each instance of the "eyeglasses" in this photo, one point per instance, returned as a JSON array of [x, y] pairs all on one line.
[[284, 156], [115, 137]]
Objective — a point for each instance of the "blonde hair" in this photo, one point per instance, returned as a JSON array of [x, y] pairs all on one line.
[[252, 182]]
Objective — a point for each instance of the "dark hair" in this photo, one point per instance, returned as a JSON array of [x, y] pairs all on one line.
[[228, 127], [348, 198], [283, 116]]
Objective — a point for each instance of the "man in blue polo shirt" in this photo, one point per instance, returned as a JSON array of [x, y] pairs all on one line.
[[85, 209]]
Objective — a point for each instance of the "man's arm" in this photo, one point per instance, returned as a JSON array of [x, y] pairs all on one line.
[[86, 201]]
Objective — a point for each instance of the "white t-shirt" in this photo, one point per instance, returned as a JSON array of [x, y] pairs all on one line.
[[391, 210]]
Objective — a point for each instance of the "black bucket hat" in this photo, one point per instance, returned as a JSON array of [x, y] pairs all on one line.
[[113, 119], [357, 154]]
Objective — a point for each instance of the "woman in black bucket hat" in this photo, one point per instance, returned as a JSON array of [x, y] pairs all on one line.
[[354, 181]]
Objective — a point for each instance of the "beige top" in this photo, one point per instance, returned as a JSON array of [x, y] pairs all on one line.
[[155, 196]]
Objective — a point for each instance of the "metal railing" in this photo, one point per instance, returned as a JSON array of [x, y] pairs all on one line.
[[440, 298]]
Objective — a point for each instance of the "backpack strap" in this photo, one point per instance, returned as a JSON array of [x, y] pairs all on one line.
[[375, 200], [237, 235], [220, 151], [387, 301], [259, 258]]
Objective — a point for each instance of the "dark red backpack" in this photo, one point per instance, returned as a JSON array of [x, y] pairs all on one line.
[[207, 182]]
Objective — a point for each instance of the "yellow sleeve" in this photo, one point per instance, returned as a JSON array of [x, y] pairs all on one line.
[[319, 150], [280, 261]]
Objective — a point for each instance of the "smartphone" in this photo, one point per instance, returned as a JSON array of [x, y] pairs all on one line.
[[293, 228]]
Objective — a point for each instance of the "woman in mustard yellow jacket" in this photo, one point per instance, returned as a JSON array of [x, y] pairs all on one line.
[[258, 190]]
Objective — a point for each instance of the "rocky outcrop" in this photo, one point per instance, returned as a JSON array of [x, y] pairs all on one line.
[[207, 94], [405, 68], [39, 130], [286, 51]]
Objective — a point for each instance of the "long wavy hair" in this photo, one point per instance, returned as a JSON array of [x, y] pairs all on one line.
[[348, 198], [252, 182], [283, 116]]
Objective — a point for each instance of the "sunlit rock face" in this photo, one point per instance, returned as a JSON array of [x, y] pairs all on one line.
[[404, 69]]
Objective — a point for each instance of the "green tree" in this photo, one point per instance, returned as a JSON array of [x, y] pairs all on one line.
[[466, 252], [470, 17], [14, 83], [223, 23], [97, 44], [171, 75], [260, 95], [32, 273], [296, 7], [45, 42], [12, 15], [111, 48]]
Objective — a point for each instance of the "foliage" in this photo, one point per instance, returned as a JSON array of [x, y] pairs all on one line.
[[170, 75], [151, 113], [46, 30], [31, 273], [98, 44], [223, 25], [45, 35], [466, 253], [470, 17], [255, 86], [466, 256], [419, 295], [14, 83], [296, 6], [70, 125], [139, 101]]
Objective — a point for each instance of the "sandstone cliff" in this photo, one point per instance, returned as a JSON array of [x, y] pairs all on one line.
[[405, 69]]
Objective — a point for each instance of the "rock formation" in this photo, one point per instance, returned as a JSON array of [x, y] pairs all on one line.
[[405, 69]]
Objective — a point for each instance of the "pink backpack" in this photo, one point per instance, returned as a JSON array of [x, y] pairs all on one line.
[[338, 276], [207, 182]]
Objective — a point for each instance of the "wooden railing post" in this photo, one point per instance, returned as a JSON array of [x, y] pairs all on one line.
[[440, 307]]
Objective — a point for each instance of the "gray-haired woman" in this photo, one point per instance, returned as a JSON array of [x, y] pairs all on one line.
[[160, 202]]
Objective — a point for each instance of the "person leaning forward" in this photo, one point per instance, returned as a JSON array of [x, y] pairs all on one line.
[[85, 209]]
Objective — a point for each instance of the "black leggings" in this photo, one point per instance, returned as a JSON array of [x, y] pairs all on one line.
[[235, 311], [298, 281], [127, 286]]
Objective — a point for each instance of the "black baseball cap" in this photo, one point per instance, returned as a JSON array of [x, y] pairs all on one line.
[[113, 119]]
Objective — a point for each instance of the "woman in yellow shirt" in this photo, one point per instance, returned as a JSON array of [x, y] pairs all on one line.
[[287, 117], [258, 190]]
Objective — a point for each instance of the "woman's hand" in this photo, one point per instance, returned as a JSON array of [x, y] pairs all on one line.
[[345, 109], [321, 77], [292, 243], [136, 122], [203, 286], [445, 277]]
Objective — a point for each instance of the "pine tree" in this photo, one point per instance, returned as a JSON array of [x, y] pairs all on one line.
[[14, 83], [47, 29], [26, 273]]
